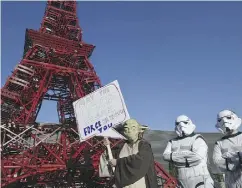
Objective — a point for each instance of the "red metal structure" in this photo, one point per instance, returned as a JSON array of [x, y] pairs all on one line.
[[55, 66]]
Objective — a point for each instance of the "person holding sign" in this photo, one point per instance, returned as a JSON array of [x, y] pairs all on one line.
[[133, 160]]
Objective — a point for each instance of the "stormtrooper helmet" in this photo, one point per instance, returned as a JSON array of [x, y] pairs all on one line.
[[184, 126], [227, 122]]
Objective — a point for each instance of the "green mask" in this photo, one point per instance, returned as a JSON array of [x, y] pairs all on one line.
[[132, 129]]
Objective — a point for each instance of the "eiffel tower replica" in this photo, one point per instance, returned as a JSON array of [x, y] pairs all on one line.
[[55, 66]]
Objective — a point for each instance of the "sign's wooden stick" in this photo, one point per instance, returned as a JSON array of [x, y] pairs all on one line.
[[110, 155]]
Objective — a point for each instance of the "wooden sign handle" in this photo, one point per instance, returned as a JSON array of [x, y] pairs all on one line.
[[110, 155]]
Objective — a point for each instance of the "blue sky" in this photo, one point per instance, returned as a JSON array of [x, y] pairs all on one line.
[[170, 58]]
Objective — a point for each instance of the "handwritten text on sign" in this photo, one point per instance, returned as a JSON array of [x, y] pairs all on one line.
[[100, 110]]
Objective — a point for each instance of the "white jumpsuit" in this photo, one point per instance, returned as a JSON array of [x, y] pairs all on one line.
[[190, 155], [231, 168]]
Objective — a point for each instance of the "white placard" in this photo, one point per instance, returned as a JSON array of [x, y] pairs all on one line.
[[99, 111]]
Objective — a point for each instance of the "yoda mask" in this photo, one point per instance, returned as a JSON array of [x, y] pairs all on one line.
[[133, 131]]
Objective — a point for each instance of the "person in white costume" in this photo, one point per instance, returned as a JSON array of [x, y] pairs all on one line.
[[227, 154], [189, 154]]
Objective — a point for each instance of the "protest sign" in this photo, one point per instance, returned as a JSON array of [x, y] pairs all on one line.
[[98, 112]]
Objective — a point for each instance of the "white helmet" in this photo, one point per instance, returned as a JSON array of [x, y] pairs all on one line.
[[227, 121], [184, 126]]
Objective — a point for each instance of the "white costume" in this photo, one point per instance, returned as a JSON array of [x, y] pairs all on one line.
[[227, 154], [188, 153]]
